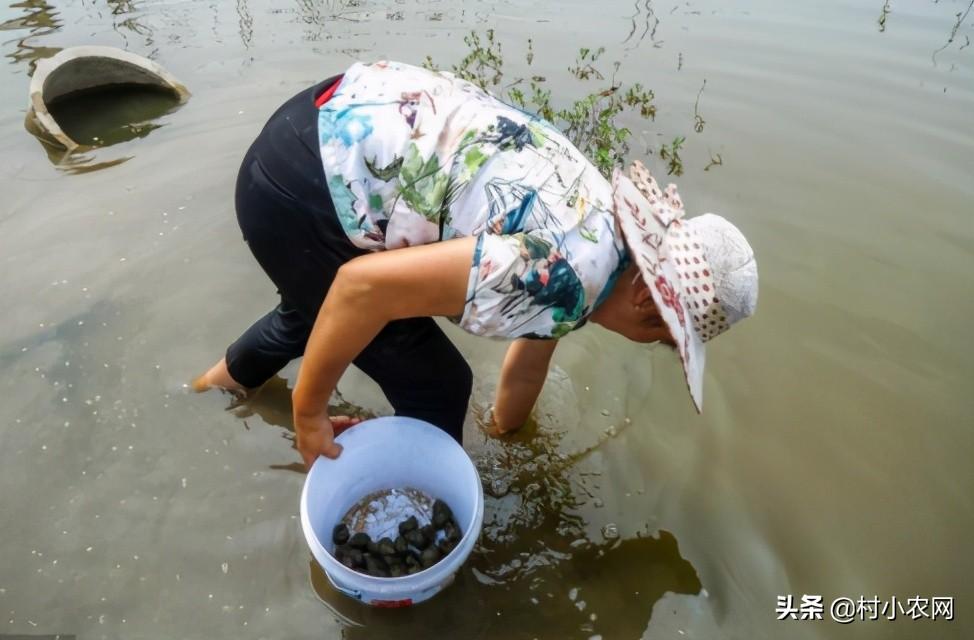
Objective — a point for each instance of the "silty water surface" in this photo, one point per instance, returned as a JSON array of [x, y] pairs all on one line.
[[834, 455]]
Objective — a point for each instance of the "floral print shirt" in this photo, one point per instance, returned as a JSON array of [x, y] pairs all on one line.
[[413, 156]]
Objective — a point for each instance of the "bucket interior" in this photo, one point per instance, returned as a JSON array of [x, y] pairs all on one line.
[[425, 459]]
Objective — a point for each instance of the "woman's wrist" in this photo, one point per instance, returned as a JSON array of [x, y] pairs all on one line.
[[307, 407], [490, 417], [494, 425]]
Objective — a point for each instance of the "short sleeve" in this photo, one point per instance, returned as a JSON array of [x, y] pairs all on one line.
[[521, 285]]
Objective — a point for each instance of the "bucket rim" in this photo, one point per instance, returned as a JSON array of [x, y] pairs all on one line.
[[417, 582]]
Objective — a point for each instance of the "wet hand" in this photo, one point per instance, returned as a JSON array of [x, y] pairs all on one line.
[[492, 428], [315, 436]]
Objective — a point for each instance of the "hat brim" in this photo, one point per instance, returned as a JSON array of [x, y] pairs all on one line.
[[645, 232]]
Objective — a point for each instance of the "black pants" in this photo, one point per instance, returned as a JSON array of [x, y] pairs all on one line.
[[290, 225]]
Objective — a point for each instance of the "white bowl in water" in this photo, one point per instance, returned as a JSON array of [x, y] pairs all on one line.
[[391, 453]]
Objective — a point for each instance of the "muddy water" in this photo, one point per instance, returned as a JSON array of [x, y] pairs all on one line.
[[110, 115], [834, 455]]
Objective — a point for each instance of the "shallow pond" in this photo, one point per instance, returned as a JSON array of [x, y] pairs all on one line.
[[834, 457]]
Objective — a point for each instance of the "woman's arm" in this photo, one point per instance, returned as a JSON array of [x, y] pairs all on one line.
[[522, 376], [368, 292]]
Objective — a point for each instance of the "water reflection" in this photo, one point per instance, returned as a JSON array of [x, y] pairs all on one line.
[[272, 404], [535, 569], [124, 21], [320, 16], [109, 115], [71, 162], [646, 15], [601, 589], [100, 118], [883, 15], [78, 163], [961, 17], [40, 19], [873, 378], [245, 23], [953, 35]]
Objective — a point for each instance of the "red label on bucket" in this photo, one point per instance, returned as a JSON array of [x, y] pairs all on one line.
[[392, 604]]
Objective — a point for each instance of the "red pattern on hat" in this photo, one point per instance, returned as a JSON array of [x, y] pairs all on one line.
[[671, 298]]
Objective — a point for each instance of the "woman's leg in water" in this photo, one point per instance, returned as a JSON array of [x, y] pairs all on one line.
[[285, 213], [288, 221], [421, 373]]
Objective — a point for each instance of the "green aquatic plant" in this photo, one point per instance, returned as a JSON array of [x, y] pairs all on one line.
[[961, 17], [671, 154], [715, 161], [884, 13], [698, 121], [592, 122], [483, 63]]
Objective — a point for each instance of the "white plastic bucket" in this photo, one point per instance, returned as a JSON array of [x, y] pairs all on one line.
[[391, 453]]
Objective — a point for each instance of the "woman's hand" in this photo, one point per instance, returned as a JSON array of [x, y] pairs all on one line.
[[368, 292], [522, 377], [495, 430], [316, 436]]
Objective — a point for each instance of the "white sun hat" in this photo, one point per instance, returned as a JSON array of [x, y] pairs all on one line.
[[700, 271]]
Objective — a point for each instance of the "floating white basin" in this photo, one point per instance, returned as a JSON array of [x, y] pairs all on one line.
[[85, 68]]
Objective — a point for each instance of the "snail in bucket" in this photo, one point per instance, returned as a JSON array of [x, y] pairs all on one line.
[[415, 548]]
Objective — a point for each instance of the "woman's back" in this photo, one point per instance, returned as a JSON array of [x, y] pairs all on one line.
[[414, 156]]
